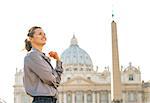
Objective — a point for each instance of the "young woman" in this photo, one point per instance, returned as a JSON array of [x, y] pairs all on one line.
[[40, 78]]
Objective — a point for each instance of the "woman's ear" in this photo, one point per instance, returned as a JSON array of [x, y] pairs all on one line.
[[30, 38]]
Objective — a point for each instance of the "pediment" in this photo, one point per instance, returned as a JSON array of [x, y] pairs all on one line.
[[79, 81]]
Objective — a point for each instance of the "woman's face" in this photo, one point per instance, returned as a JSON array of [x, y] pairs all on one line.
[[39, 37]]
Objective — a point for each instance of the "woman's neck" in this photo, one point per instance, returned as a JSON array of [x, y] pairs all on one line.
[[38, 47]]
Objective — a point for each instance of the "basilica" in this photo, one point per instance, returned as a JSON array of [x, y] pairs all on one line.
[[82, 83]]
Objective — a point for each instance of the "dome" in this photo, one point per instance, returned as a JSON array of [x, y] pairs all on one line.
[[75, 56]]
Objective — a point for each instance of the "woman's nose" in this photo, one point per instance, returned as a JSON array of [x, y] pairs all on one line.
[[44, 36]]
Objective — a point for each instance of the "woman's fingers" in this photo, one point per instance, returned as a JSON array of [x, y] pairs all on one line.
[[54, 55]]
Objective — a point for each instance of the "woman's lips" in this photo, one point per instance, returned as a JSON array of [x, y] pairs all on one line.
[[43, 39]]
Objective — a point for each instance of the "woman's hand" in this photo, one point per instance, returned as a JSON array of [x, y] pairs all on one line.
[[54, 55]]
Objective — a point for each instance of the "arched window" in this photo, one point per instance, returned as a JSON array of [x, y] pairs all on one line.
[[75, 69], [68, 78], [89, 78], [79, 97], [75, 59], [69, 98], [89, 98], [131, 77], [132, 97], [103, 97], [67, 69], [81, 69]]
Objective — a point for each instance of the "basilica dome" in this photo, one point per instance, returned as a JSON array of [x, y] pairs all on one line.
[[76, 56]]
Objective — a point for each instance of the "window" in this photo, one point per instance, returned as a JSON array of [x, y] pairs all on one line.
[[88, 69], [132, 97], [75, 69], [89, 98], [131, 77], [69, 98], [79, 97], [89, 78], [103, 97], [81, 69], [68, 78]]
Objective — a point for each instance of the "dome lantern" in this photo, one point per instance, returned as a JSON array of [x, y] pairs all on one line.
[[74, 41]]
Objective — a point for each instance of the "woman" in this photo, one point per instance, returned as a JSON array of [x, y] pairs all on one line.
[[40, 78]]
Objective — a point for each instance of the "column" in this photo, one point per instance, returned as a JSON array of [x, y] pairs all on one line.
[[109, 97], [65, 97], [98, 97], [93, 97], [73, 97], [124, 97], [19, 98], [85, 97], [60, 97], [139, 97]]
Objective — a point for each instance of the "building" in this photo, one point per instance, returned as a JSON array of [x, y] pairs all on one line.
[[82, 83]]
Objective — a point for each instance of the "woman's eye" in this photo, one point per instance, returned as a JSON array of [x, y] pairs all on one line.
[[40, 33]]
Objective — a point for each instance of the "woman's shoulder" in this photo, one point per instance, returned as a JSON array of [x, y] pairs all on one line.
[[31, 54], [30, 57]]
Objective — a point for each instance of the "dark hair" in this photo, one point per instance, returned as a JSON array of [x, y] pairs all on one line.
[[31, 31]]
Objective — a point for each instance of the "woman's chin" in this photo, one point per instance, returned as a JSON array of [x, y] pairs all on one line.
[[43, 43]]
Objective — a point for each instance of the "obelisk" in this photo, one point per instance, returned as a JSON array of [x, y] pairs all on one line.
[[116, 91]]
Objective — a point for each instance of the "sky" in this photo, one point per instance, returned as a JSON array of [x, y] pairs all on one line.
[[89, 20]]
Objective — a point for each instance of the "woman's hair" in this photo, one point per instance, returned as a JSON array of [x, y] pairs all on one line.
[[31, 31]]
